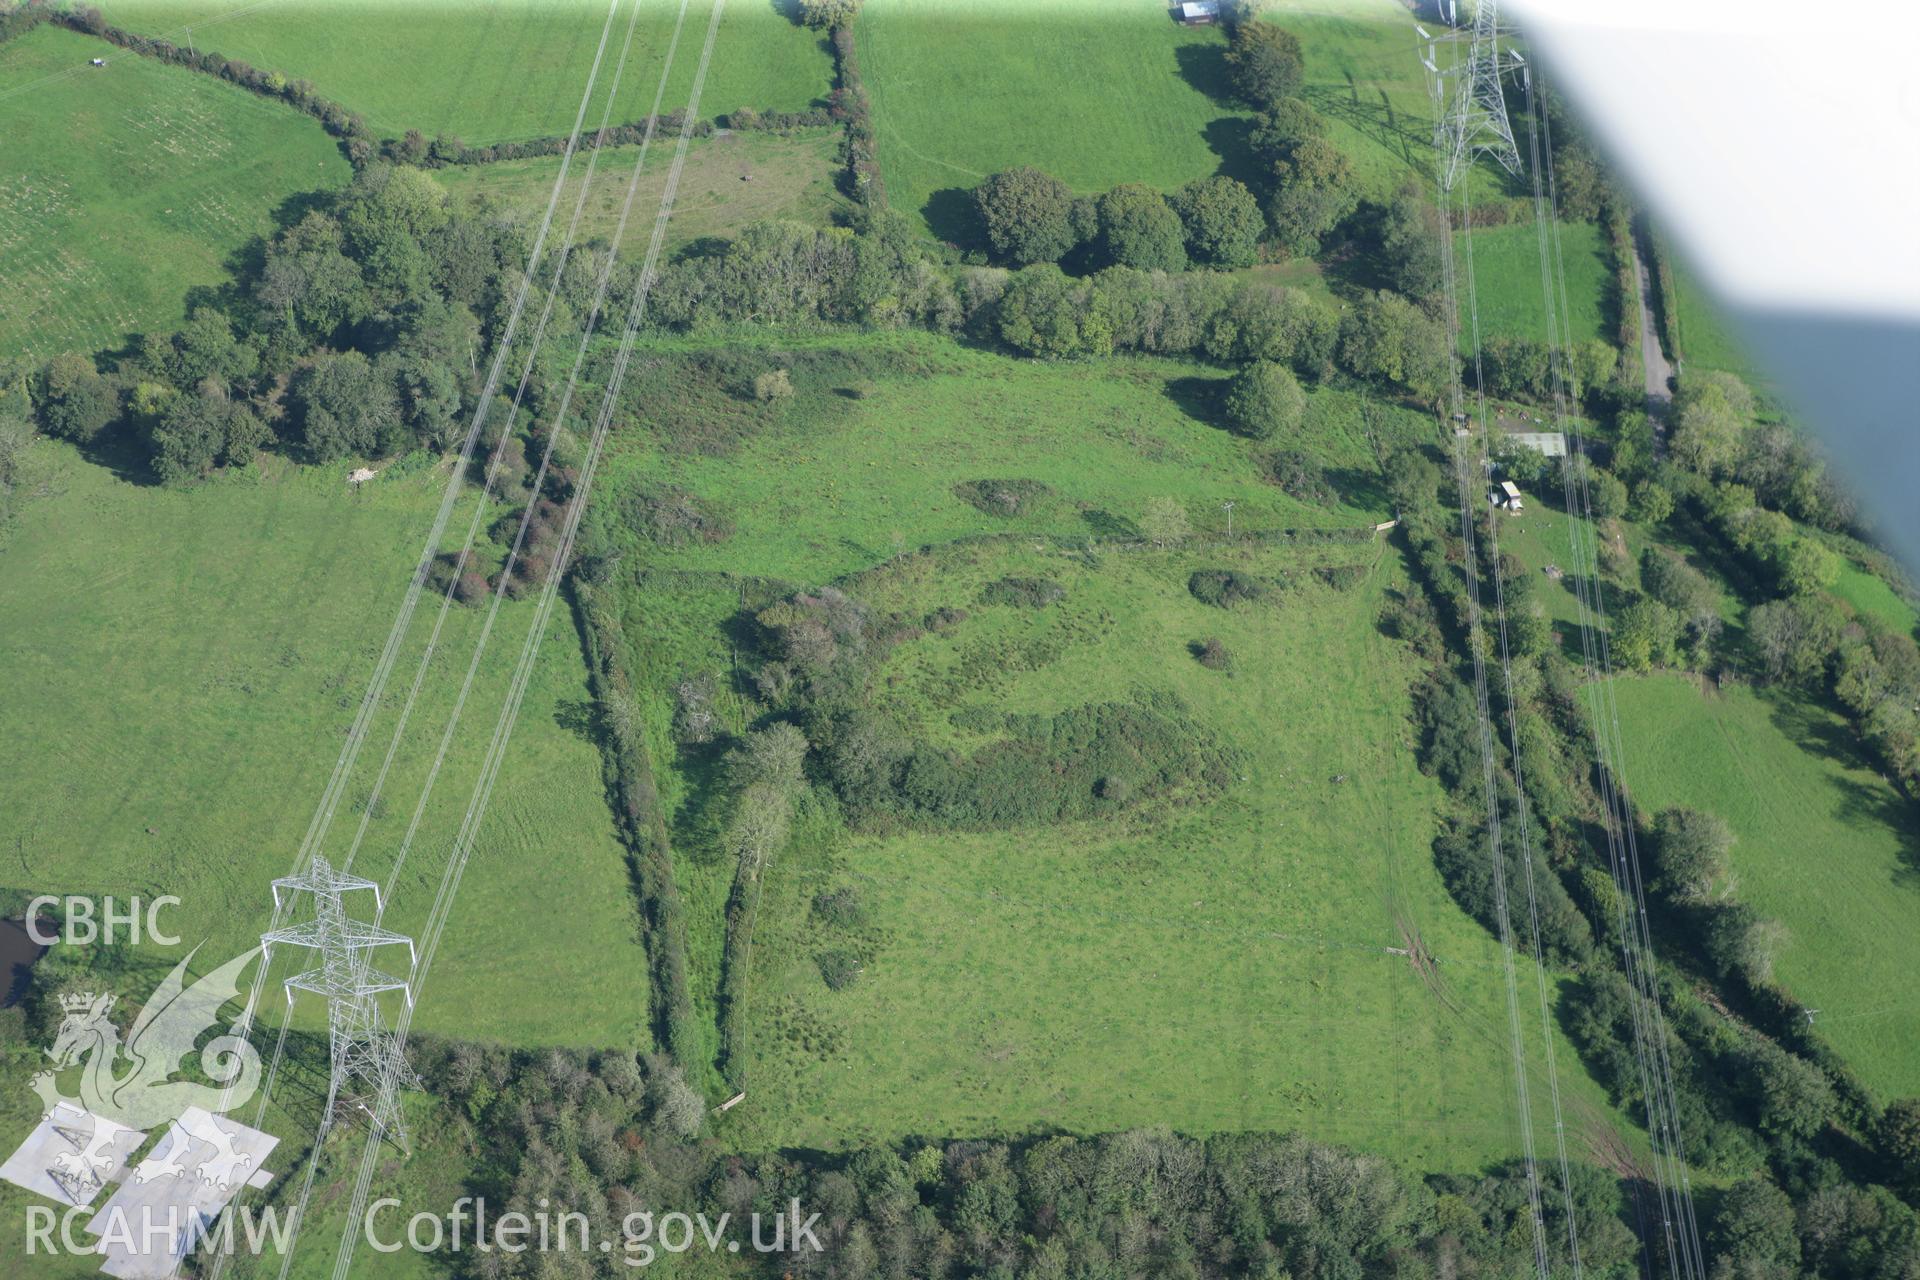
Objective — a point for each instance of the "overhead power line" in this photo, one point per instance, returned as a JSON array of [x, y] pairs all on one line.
[[456, 481], [1679, 1224]]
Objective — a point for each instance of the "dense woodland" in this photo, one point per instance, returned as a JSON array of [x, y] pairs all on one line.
[[363, 329]]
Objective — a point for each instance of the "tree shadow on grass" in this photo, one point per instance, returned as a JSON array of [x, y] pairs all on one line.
[[1204, 66], [304, 1074], [1572, 645], [298, 205], [581, 718], [1862, 805], [1231, 139], [1352, 272], [1105, 524], [1360, 487], [700, 818], [120, 453], [953, 217], [1198, 398], [1812, 729], [1858, 803]]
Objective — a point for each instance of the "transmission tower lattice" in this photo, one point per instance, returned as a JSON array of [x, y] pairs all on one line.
[[368, 1071], [1475, 120]]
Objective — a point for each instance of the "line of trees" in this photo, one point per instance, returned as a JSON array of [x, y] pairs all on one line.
[[861, 179], [357, 140], [606, 1134], [1029, 217], [359, 330], [627, 767]]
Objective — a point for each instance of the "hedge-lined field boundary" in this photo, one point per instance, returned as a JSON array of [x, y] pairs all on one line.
[[628, 770]]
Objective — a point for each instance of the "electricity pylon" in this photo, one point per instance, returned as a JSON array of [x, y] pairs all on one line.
[[1475, 119], [368, 1071]]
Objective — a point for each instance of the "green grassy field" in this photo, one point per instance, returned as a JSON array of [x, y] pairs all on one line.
[[1094, 92], [727, 182], [834, 481], [185, 664], [1216, 967], [492, 70], [1869, 593], [1506, 273], [1707, 338], [125, 186], [1824, 845], [1211, 968], [1363, 74]]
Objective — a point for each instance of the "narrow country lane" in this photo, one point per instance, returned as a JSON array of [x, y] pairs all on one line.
[[1658, 371]]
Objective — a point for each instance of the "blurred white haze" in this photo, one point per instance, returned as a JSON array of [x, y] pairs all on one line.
[[1778, 144]]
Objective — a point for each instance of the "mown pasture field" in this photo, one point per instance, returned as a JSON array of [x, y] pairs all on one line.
[[123, 187], [728, 181], [180, 670], [502, 69], [1211, 967], [1363, 74], [1094, 92], [1823, 844], [1506, 276]]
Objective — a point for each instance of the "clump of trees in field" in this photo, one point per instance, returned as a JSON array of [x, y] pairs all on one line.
[[825, 15], [1031, 217], [1226, 588], [1264, 399], [358, 336]]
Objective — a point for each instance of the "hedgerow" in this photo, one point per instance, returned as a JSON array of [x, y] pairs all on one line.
[[642, 826]]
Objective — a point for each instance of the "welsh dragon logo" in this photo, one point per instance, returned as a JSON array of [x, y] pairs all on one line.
[[131, 1083]]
